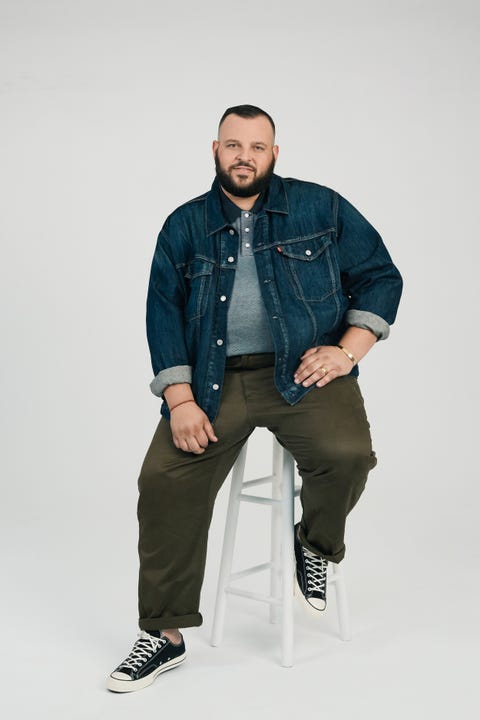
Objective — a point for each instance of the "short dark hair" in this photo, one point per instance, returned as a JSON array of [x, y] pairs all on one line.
[[246, 111]]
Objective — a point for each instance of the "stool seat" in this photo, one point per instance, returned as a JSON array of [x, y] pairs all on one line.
[[282, 559]]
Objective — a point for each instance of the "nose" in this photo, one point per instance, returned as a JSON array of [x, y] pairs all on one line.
[[244, 155]]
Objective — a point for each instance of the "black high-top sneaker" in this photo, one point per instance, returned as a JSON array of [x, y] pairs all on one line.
[[311, 574], [150, 656]]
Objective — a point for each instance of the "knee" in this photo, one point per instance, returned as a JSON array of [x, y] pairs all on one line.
[[351, 461], [358, 461], [354, 459], [354, 465]]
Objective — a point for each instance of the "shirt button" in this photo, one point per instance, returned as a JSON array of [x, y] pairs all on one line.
[[308, 252], [231, 231], [219, 342], [247, 229], [246, 215], [231, 259], [223, 298], [215, 386], [247, 244]]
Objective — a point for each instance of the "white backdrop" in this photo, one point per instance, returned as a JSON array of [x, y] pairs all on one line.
[[109, 108]]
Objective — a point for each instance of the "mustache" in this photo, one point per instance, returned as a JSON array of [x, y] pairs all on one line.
[[243, 165]]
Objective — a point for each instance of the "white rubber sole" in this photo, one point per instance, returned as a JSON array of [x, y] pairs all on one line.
[[121, 686]]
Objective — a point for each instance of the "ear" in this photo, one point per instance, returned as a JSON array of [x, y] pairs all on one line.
[[275, 150], [214, 147]]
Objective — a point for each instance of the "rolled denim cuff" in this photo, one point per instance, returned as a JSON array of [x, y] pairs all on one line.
[[169, 376], [368, 321]]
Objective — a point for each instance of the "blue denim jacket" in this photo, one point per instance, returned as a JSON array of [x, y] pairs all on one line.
[[321, 267]]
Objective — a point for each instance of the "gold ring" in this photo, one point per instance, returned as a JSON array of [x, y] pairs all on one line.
[[325, 371]]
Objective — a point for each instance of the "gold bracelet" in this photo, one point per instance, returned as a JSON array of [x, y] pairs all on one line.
[[180, 403], [348, 354]]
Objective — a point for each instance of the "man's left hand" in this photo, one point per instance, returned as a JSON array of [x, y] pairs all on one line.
[[321, 365]]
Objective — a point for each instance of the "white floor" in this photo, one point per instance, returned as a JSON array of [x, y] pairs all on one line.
[[69, 613], [413, 653]]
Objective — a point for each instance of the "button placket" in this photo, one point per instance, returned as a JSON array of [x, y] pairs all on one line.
[[246, 229]]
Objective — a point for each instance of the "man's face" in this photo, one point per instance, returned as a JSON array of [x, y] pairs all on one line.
[[245, 155]]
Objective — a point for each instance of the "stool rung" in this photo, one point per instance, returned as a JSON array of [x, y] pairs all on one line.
[[258, 481], [259, 499], [265, 500], [253, 596], [250, 571]]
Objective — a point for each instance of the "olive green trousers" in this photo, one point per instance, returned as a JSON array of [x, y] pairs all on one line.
[[327, 433]]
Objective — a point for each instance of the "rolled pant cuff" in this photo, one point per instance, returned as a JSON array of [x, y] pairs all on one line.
[[164, 623], [335, 558]]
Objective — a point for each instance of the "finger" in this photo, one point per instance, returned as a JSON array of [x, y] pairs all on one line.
[[210, 432], [194, 446], [327, 378], [318, 365], [306, 358], [201, 438], [306, 368], [308, 352], [182, 445], [316, 375], [320, 354]]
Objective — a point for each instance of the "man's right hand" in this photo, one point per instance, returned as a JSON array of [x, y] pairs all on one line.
[[191, 428]]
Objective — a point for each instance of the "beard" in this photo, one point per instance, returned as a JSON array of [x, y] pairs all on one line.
[[258, 184]]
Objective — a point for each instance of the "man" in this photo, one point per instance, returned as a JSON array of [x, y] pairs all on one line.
[[264, 294]]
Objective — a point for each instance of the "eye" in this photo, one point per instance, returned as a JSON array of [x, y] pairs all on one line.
[[259, 147], [231, 144]]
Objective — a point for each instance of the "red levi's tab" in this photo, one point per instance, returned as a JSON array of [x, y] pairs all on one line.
[[279, 249]]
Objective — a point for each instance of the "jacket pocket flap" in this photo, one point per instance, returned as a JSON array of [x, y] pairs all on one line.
[[197, 267], [305, 249]]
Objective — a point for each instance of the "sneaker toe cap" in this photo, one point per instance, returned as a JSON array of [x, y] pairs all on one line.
[[317, 603], [117, 675]]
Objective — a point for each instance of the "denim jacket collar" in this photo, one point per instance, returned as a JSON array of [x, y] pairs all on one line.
[[276, 201]]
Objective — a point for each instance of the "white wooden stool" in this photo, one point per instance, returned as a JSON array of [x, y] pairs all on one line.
[[282, 562]]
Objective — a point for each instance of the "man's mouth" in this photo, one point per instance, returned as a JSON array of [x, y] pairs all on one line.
[[243, 167]]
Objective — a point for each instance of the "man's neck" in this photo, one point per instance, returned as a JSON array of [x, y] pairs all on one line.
[[244, 203]]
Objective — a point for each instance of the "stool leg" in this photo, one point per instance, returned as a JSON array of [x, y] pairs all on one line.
[[342, 603], [276, 531], [288, 476], [228, 545]]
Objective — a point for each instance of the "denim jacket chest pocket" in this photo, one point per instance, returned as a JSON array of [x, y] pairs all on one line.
[[311, 266], [198, 279]]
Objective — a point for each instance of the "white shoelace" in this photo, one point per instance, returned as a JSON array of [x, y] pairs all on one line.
[[316, 567], [143, 649]]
